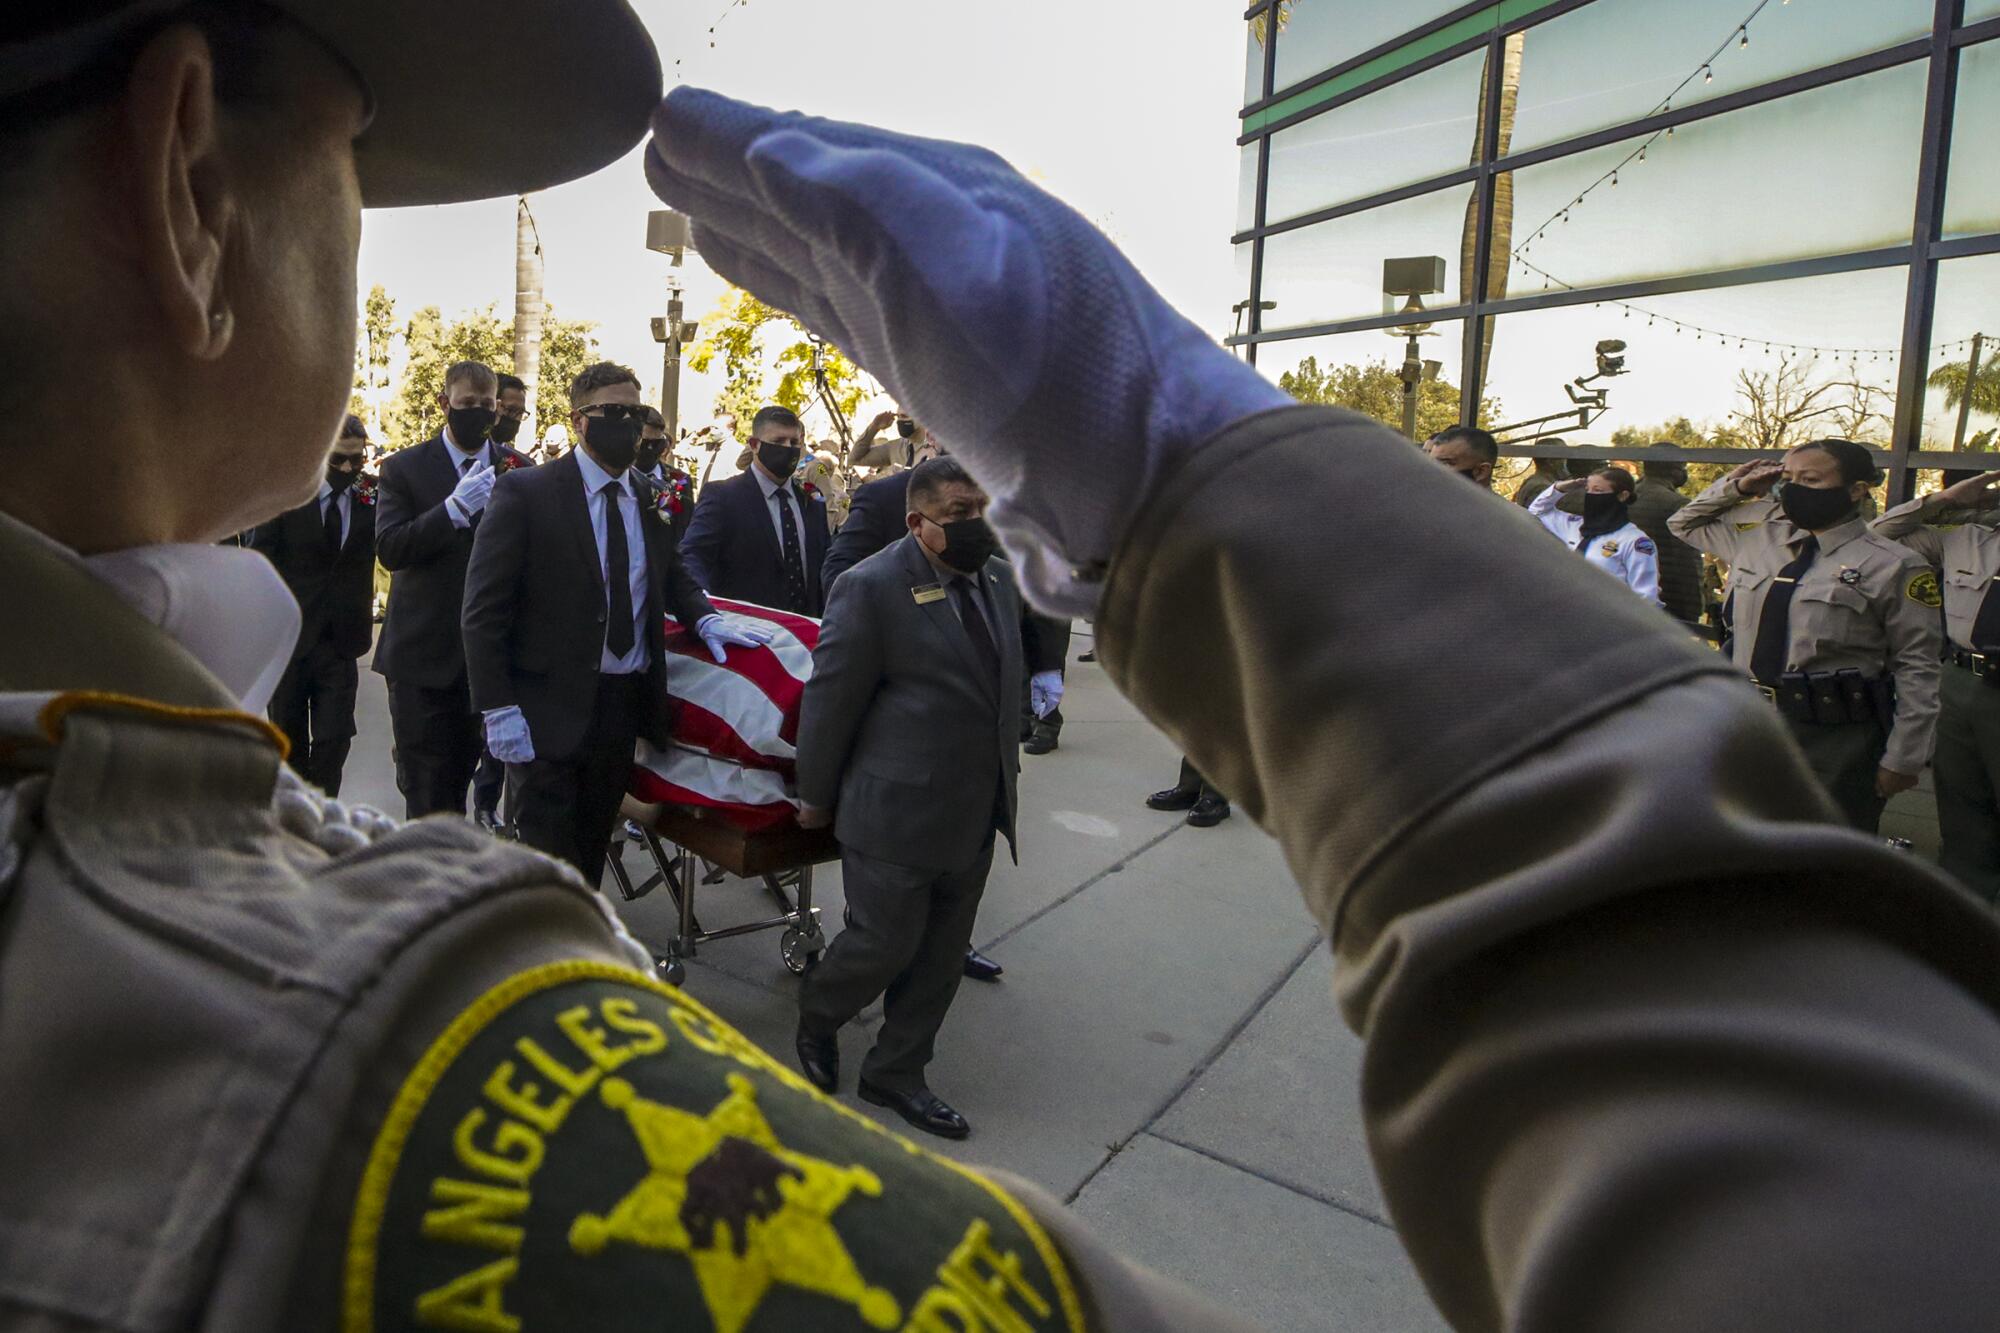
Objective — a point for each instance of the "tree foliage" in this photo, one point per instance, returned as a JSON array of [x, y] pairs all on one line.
[[432, 345], [1375, 389], [736, 332], [1985, 384]]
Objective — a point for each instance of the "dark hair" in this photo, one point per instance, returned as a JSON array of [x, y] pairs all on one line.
[[1620, 479], [476, 373], [934, 474], [654, 419], [783, 416], [353, 427], [1854, 461], [1479, 441], [1659, 467], [510, 382], [597, 376]]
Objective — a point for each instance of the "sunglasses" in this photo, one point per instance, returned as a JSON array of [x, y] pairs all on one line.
[[617, 412]]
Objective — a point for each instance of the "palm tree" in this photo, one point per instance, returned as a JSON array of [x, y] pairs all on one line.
[[1951, 378], [1501, 248], [528, 309]]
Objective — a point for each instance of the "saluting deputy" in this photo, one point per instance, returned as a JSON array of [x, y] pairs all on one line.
[[1604, 534], [1836, 624], [1958, 531]]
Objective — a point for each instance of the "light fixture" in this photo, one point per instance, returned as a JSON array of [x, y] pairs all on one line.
[[1707, 74], [1745, 42]]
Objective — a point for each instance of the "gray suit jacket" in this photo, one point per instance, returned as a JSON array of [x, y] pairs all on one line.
[[901, 733]]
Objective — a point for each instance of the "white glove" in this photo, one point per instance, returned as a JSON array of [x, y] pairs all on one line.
[[718, 634], [507, 736], [1045, 692], [472, 491]]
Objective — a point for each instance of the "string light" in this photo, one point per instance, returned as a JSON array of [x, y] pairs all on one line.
[[1707, 74], [1744, 44]]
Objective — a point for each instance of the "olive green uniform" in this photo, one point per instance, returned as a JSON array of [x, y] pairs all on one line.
[[1964, 548], [1866, 605]]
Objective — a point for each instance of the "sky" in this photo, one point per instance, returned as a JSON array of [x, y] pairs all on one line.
[[1127, 110]]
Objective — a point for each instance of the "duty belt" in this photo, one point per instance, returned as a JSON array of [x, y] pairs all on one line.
[[1979, 664], [1832, 698]]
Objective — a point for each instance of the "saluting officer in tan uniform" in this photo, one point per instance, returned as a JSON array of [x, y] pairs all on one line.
[[1957, 530], [1837, 625]]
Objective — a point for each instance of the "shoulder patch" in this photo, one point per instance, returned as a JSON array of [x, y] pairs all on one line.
[[587, 1148], [1923, 588], [1644, 546]]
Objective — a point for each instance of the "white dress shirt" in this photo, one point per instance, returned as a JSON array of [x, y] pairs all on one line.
[[595, 479], [345, 500], [1626, 553], [225, 604], [771, 507]]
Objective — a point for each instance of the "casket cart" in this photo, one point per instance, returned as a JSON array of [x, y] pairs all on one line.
[[676, 837]]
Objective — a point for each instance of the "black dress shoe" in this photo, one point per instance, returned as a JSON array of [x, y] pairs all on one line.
[[1043, 741], [819, 1060], [1208, 812], [1088, 655], [1174, 798], [981, 968], [922, 1108]]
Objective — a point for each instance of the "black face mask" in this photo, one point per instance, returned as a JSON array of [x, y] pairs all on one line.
[[1601, 508], [780, 460], [614, 443], [339, 480], [906, 428], [504, 429], [968, 544], [650, 453], [1815, 508], [469, 425]]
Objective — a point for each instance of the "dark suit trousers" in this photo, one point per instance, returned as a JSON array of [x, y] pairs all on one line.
[[487, 781], [438, 742], [567, 807], [907, 944], [314, 707]]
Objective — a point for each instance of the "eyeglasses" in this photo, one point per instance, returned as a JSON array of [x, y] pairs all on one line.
[[617, 412], [346, 462]]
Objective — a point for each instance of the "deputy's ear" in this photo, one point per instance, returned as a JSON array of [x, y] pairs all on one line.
[[184, 203]]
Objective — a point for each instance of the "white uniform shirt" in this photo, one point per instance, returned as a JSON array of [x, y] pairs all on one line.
[[1626, 553]]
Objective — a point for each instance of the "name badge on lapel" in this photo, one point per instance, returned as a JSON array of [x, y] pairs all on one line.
[[927, 593]]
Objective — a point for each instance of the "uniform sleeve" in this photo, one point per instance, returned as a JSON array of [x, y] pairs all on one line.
[[1649, 1044], [1908, 523], [1916, 645], [1543, 509], [847, 668], [1703, 522], [1642, 569]]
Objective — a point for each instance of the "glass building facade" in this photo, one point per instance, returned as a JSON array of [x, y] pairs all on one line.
[[1788, 212]]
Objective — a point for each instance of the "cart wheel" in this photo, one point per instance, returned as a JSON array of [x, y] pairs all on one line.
[[672, 970], [801, 951]]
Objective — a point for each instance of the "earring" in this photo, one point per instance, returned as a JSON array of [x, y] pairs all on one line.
[[218, 321]]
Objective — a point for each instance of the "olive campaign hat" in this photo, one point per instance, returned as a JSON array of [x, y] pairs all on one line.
[[448, 124]]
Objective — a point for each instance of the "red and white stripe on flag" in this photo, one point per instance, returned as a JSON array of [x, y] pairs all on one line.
[[736, 722]]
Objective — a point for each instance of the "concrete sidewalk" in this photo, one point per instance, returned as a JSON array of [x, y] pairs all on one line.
[[1163, 1052]]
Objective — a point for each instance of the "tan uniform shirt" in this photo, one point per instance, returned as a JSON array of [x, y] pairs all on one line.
[[1653, 1043], [1866, 604], [1962, 546]]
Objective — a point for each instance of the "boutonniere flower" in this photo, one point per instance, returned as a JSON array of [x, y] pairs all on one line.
[[671, 498], [508, 462], [364, 489], [811, 491]]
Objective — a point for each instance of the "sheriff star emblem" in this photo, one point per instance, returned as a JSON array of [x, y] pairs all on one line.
[[586, 1148]]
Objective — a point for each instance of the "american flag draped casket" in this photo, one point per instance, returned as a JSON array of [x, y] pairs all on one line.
[[736, 723]]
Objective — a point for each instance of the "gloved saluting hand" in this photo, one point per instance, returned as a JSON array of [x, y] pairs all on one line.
[[982, 303], [472, 492], [720, 634]]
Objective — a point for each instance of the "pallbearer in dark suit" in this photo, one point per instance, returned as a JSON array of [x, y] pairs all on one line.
[[432, 497], [571, 576], [908, 745], [325, 552], [757, 537], [673, 488]]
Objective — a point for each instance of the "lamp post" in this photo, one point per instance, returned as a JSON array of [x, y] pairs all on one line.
[[1413, 278], [669, 233]]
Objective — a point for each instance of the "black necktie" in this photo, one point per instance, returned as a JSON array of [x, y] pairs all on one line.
[[1986, 625], [975, 627], [617, 573], [795, 563], [1774, 625], [331, 519]]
